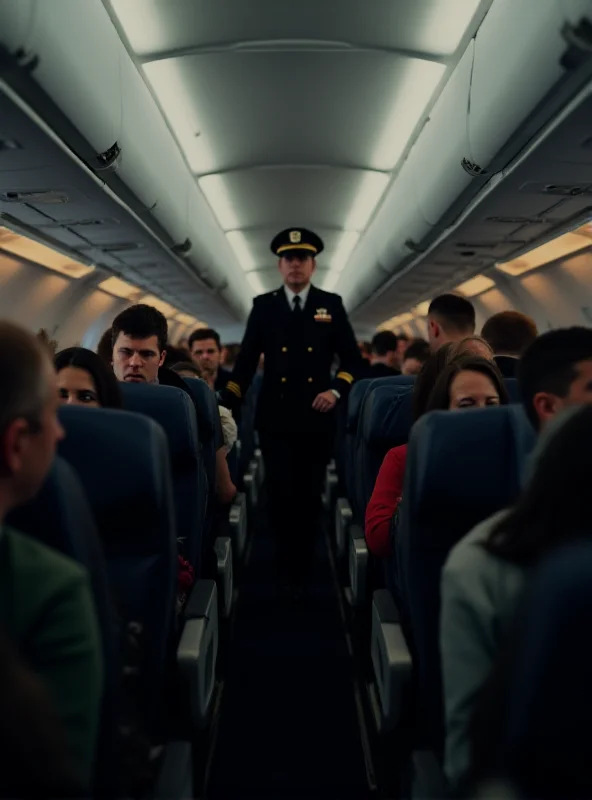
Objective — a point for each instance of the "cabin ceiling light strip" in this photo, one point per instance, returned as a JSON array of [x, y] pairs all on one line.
[[475, 286], [118, 288], [238, 242], [186, 319], [40, 254], [368, 196], [331, 279], [345, 248], [219, 200], [413, 93], [422, 308], [557, 248], [255, 282], [177, 103], [164, 308]]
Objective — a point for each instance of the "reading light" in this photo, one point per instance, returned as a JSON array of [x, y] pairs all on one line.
[[164, 308], [238, 242], [560, 247], [48, 257], [475, 286], [118, 288]]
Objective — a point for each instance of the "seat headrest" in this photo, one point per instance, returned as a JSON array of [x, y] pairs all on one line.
[[123, 462], [468, 463], [173, 410], [387, 416], [205, 400], [362, 387]]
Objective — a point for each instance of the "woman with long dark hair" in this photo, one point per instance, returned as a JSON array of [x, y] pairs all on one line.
[[485, 572], [85, 380]]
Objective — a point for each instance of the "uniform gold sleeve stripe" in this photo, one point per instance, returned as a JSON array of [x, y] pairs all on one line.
[[346, 376], [301, 246], [234, 388]]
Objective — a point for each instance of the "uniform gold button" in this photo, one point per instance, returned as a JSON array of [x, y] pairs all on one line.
[[309, 349], [284, 380], [284, 349], [310, 380]]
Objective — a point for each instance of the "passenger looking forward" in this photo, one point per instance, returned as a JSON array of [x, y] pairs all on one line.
[[206, 351], [450, 319], [85, 380], [485, 570], [46, 606]]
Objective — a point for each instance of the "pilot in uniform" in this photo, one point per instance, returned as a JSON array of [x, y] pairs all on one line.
[[299, 329]]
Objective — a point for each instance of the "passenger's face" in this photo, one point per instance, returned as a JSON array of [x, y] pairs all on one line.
[[411, 366], [297, 269], [77, 388], [547, 405], [472, 390], [137, 360], [206, 355], [29, 448]]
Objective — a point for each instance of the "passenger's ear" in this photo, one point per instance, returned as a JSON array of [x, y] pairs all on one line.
[[162, 358], [14, 444], [546, 405]]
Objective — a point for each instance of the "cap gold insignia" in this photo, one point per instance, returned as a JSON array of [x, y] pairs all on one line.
[[322, 315], [295, 237]]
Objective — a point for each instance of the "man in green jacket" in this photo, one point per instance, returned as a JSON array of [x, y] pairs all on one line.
[[46, 606]]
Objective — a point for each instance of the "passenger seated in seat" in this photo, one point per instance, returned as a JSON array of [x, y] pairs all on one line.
[[485, 572], [389, 481], [450, 319], [415, 357], [85, 380], [468, 382], [509, 333], [46, 606]]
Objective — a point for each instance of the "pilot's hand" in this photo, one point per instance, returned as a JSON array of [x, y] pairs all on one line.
[[325, 401]]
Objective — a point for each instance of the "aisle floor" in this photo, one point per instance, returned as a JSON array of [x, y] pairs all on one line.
[[288, 726]]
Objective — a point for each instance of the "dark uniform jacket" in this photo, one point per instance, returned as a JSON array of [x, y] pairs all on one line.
[[299, 351]]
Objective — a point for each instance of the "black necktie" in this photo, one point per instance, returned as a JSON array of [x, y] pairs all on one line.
[[297, 302]]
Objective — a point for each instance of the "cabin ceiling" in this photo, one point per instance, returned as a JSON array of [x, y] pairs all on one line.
[[295, 114]]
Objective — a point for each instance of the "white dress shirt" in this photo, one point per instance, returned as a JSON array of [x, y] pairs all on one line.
[[290, 295]]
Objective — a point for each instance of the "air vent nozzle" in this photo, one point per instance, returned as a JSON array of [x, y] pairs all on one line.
[[473, 169], [109, 160], [183, 248]]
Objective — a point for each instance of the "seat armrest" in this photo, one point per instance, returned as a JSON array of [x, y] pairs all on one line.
[[358, 566], [343, 520], [175, 774], [197, 650], [237, 517], [225, 582], [391, 662], [251, 482]]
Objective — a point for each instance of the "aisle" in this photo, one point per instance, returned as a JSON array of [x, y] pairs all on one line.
[[288, 725]]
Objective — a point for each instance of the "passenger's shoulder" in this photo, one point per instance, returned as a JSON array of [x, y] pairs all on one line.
[[44, 568], [469, 552]]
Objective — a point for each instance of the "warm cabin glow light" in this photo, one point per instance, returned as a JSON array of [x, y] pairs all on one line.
[[38, 253], [164, 308], [560, 247], [186, 319], [474, 286], [119, 288], [422, 309]]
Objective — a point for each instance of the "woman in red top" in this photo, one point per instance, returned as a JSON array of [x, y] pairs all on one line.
[[388, 488]]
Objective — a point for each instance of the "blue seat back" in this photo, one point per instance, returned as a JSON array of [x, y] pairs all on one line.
[[60, 517], [173, 410], [122, 460], [355, 404], [462, 466], [513, 391], [387, 418]]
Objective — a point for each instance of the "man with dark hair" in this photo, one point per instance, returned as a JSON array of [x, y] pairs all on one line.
[[46, 605], [384, 360], [556, 372], [415, 357], [509, 333], [451, 318], [139, 338], [206, 351]]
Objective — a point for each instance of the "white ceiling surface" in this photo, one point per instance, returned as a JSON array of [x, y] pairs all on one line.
[[297, 114]]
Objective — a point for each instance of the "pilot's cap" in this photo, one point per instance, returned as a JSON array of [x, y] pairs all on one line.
[[297, 240]]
